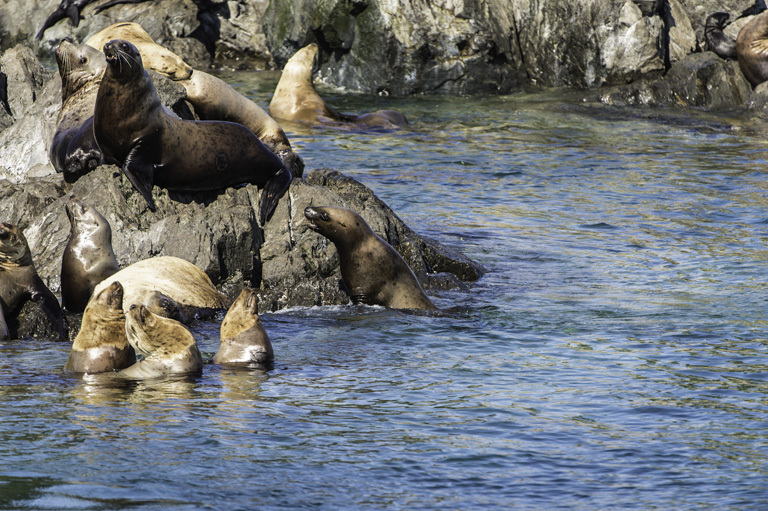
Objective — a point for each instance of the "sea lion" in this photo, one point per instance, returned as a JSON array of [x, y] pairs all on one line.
[[243, 338], [153, 147], [716, 40], [178, 280], [168, 346], [295, 98], [213, 98], [373, 271], [88, 257], [752, 49], [66, 9], [101, 344], [74, 150], [20, 282]]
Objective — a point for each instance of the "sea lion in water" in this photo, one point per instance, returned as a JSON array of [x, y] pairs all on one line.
[[168, 346], [88, 257], [295, 98], [716, 40], [243, 338], [752, 49], [180, 281], [74, 150], [154, 147], [373, 271], [20, 282], [101, 344]]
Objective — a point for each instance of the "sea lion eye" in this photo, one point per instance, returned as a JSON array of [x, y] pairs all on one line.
[[325, 217], [83, 60]]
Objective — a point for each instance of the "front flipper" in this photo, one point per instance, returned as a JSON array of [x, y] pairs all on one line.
[[83, 153], [273, 190], [140, 170]]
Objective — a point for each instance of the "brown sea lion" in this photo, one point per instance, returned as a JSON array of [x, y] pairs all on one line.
[[243, 338], [88, 257], [373, 271], [20, 282], [752, 49], [154, 147], [295, 98], [716, 40], [101, 344], [168, 346]]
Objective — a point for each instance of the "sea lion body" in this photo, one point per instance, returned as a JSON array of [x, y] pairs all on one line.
[[74, 150], [295, 98], [154, 147], [716, 40], [168, 346], [752, 49], [20, 282], [373, 271], [88, 257], [101, 344], [243, 338]]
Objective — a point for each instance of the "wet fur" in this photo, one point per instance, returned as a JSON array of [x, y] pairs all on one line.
[[243, 338]]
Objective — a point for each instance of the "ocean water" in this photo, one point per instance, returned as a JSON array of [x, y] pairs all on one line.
[[613, 356]]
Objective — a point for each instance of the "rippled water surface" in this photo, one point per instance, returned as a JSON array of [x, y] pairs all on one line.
[[613, 356]]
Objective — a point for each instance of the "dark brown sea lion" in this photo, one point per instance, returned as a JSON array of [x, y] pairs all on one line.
[[752, 49], [243, 338], [20, 282], [716, 40], [154, 147], [88, 257], [168, 346], [373, 271], [295, 98], [101, 344], [74, 150]]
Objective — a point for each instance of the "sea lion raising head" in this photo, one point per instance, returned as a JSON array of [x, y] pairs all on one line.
[[243, 338]]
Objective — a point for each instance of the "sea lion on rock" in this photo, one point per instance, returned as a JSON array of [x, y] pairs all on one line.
[[168, 346], [74, 150], [295, 98], [373, 271], [243, 338], [752, 49], [20, 282], [88, 257], [101, 344], [154, 147], [178, 280], [716, 40]]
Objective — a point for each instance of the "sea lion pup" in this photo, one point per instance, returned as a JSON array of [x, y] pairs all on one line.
[[243, 338], [154, 147], [20, 282], [74, 150], [295, 98], [752, 49], [88, 257], [372, 270], [101, 344], [716, 41], [178, 280], [168, 346], [213, 98]]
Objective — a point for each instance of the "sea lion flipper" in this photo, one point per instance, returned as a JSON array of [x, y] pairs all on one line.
[[141, 173], [274, 189]]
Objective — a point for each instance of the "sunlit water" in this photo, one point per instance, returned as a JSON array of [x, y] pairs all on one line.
[[613, 357]]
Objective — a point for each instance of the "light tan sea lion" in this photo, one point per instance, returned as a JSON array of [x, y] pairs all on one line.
[[101, 344], [296, 100], [243, 338], [168, 346], [752, 49], [373, 271]]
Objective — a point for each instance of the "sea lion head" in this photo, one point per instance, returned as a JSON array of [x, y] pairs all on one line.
[[150, 334], [111, 297], [716, 21], [340, 225], [162, 305], [123, 59], [301, 64], [242, 315], [14, 250], [85, 220], [79, 65]]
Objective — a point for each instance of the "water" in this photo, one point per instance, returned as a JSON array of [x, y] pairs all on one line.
[[613, 357]]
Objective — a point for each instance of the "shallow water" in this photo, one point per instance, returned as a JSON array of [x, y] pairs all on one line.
[[613, 357]]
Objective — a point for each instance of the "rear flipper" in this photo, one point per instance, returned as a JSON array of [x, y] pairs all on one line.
[[274, 189]]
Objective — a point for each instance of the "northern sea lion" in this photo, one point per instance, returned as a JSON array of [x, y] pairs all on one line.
[[373, 271], [243, 338], [88, 257], [20, 282], [154, 147], [716, 40], [295, 98], [74, 150], [146, 282], [101, 344], [752, 49], [168, 346]]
